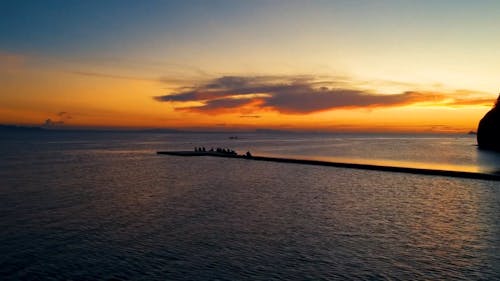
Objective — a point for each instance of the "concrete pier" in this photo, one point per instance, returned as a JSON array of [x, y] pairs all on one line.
[[408, 170]]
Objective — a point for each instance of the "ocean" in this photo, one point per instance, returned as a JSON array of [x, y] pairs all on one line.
[[105, 206]]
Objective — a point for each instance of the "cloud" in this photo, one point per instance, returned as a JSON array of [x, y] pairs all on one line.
[[64, 115], [304, 99], [298, 95], [476, 101]]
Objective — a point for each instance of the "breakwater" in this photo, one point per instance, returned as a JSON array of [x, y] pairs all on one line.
[[409, 170]]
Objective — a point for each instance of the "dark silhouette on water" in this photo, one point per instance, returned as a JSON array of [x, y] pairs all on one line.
[[488, 131], [202, 151], [420, 171]]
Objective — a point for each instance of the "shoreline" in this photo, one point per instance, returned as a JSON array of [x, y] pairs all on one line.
[[407, 170]]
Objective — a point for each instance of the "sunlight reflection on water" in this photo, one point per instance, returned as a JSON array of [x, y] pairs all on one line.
[[112, 208]]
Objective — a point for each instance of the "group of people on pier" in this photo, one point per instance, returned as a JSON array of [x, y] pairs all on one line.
[[220, 150]]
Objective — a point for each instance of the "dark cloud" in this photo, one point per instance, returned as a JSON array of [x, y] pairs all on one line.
[[308, 100], [229, 82], [294, 95], [64, 115], [193, 95], [221, 104]]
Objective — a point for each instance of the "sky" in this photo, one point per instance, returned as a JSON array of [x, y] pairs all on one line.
[[413, 66]]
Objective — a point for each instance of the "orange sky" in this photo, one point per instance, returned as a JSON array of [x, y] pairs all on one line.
[[244, 68], [107, 101]]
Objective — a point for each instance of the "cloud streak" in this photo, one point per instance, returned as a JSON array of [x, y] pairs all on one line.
[[112, 76], [297, 95]]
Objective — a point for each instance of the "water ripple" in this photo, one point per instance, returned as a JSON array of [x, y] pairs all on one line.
[[113, 211]]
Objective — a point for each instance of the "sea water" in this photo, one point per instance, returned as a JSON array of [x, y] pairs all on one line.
[[104, 206]]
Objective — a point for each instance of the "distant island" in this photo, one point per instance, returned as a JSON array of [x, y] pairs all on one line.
[[14, 128], [488, 131]]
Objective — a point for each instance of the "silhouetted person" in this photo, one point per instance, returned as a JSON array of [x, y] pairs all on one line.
[[248, 154]]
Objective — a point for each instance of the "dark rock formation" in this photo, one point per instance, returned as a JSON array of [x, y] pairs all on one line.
[[488, 132]]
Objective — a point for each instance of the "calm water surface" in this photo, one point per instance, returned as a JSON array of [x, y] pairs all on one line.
[[104, 206]]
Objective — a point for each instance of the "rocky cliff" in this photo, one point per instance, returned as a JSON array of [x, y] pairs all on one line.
[[488, 132]]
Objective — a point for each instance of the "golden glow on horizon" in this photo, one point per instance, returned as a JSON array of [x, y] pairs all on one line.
[[110, 102], [314, 65], [114, 101]]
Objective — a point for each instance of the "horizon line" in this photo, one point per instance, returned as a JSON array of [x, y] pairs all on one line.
[[234, 130]]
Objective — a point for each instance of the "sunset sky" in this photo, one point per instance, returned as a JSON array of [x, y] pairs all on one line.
[[417, 66]]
